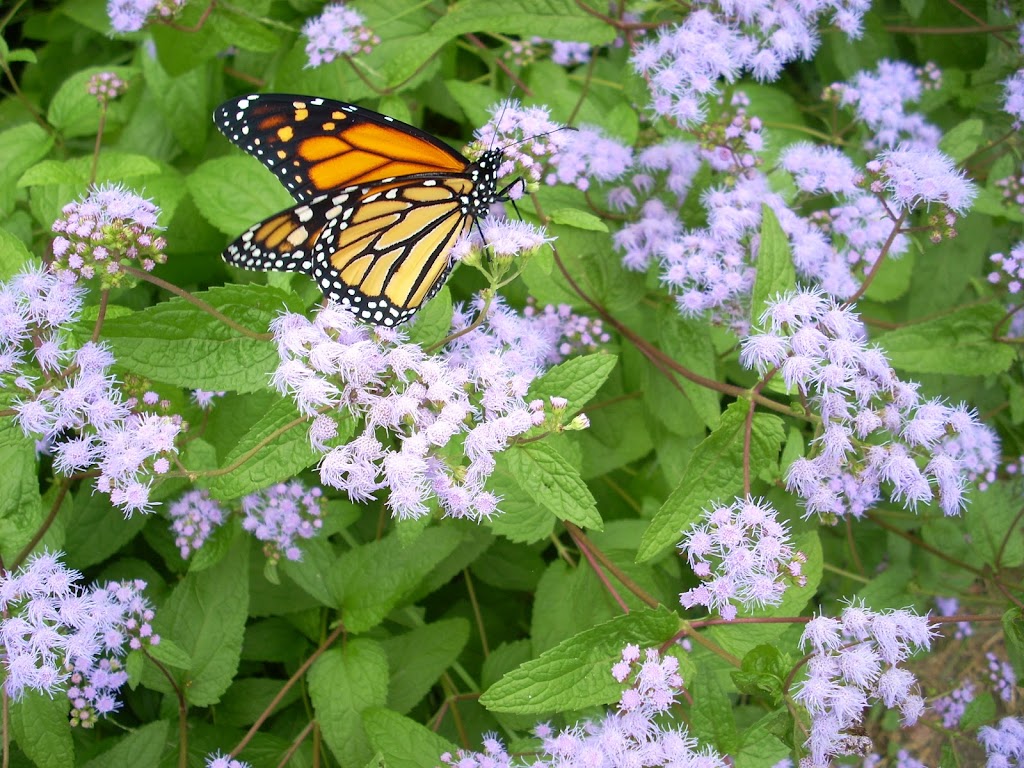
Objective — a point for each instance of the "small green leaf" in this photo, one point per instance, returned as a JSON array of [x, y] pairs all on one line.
[[775, 271], [76, 112], [403, 742], [141, 748], [577, 379], [13, 255], [77, 171], [39, 723], [554, 483], [963, 139], [958, 343], [575, 674], [995, 535], [20, 503], [763, 672], [715, 473], [342, 683], [433, 322], [522, 519], [574, 217], [235, 192]]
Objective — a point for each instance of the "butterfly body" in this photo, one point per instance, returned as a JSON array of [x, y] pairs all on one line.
[[380, 205]]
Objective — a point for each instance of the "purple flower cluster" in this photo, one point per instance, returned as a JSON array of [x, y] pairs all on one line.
[[743, 554], [505, 238], [853, 660], [54, 633], [876, 430], [879, 99], [913, 176], [1013, 97], [205, 400], [132, 15], [637, 734], [721, 39], [1013, 188], [281, 515], [338, 31], [446, 415], [950, 606], [68, 396], [952, 706], [1003, 744], [219, 760], [194, 517], [577, 334], [1002, 676], [566, 53], [108, 229], [106, 86]]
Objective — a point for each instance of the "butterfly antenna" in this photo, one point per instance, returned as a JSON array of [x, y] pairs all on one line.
[[504, 107]]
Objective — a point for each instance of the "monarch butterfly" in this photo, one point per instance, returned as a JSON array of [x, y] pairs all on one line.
[[381, 204]]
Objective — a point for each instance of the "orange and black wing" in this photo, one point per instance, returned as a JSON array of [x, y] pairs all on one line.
[[317, 145], [380, 250]]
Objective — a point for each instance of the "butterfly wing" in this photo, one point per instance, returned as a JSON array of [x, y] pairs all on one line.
[[316, 145], [380, 250]]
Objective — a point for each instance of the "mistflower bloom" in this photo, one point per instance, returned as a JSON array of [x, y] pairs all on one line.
[[510, 237], [220, 760], [131, 451], [1004, 743], [854, 660], [205, 400], [132, 15], [528, 136], [586, 156], [951, 707], [193, 518], [1013, 97], [282, 515], [106, 86], [568, 54], [447, 414], [879, 99], [950, 606], [639, 733], [107, 230], [914, 177], [338, 31], [1002, 676], [821, 169], [743, 555], [577, 334], [878, 434]]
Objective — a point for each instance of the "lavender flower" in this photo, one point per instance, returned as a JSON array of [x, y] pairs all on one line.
[[1002, 675], [950, 606], [1013, 97], [576, 333], [1004, 743], [638, 733], [855, 659], [447, 414], [743, 554], [922, 176], [106, 86], [819, 349], [193, 518], [338, 31], [132, 15], [951, 707], [569, 54], [220, 760], [205, 400], [505, 239], [107, 230], [281, 515]]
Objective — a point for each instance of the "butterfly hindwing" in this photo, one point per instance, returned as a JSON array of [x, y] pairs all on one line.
[[316, 145]]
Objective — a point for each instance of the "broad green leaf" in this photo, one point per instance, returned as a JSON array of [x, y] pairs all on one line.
[[20, 504], [39, 723], [13, 255], [170, 653], [96, 530], [958, 343], [76, 112], [711, 717], [179, 343], [249, 697], [715, 473], [205, 615], [417, 659], [274, 449], [522, 519], [21, 147], [775, 271], [189, 43], [763, 672], [183, 102], [577, 379], [433, 322], [963, 139], [342, 683], [574, 217], [141, 748], [893, 278], [112, 166], [235, 192], [524, 18], [577, 673], [244, 32], [993, 523], [687, 341], [403, 742], [554, 483], [370, 580]]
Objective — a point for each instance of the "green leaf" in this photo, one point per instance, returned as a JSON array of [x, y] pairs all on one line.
[[170, 653], [13, 255], [963, 139], [418, 658], [433, 322], [243, 32], [96, 530], [574, 217], [235, 192], [521, 519], [141, 748], [1013, 630], [250, 697], [893, 278], [554, 483], [995, 532], [39, 723], [21, 147], [178, 343], [342, 683], [404, 743], [205, 615], [711, 717], [76, 172], [370, 580], [763, 672], [714, 473], [76, 112], [775, 271], [277, 447], [576, 673], [958, 343], [182, 101], [524, 18], [20, 503], [577, 379], [688, 343]]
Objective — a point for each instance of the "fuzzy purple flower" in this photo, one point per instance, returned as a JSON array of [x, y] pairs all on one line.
[[194, 517], [106, 86], [1004, 744], [952, 706], [1013, 97], [132, 15], [220, 760], [1002, 675], [282, 515], [338, 31], [914, 177]]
